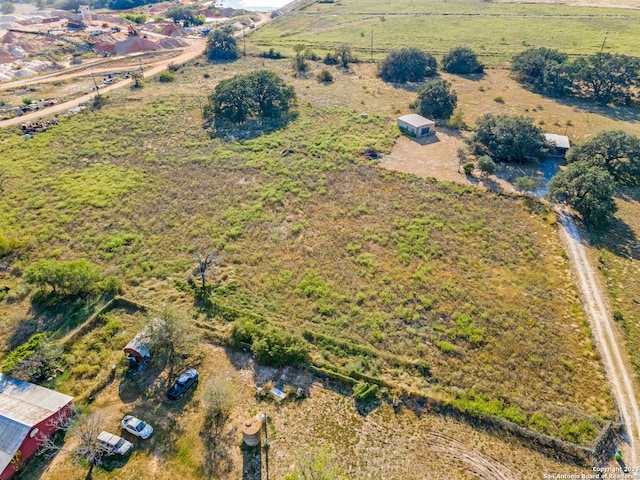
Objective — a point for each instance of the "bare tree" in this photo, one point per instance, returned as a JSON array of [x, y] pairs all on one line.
[[204, 264], [218, 402], [84, 430]]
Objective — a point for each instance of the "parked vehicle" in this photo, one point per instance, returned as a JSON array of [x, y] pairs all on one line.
[[137, 427], [182, 384], [113, 443]]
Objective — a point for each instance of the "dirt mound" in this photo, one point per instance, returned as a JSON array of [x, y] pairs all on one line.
[[105, 43], [172, 43], [172, 30], [135, 45]]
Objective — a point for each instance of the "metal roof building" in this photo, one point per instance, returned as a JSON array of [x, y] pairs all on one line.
[[560, 142], [25, 413], [416, 125]]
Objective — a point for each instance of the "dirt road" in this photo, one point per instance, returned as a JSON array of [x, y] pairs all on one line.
[[195, 49], [83, 69], [609, 344]]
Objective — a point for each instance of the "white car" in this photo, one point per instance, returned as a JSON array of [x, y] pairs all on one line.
[[137, 427], [113, 443]]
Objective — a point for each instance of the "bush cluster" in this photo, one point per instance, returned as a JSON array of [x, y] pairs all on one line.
[[271, 346], [365, 392]]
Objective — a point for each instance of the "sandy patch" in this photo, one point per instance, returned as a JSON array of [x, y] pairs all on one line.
[[433, 156]]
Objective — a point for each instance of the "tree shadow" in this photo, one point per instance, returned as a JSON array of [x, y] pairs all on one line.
[[217, 454], [413, 87], [474, 77], [616, 112], [52, 313], [138, 383], [618, 238], [366, 407], [114, 462], [488, 183], [251, 128], [251, 462]]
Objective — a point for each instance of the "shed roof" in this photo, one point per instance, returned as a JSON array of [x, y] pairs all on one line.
[[142, 343], [416, 120], [560, 141], [22, 406]]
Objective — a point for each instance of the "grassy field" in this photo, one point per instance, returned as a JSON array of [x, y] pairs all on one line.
[[313, 236], [618, 255], [495, 31]]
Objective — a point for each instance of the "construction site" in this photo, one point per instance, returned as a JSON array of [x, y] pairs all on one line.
[[58, 55]]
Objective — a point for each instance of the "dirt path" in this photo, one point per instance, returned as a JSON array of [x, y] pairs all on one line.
[[190, 52], [84, 69], [478, 463], [609, 344]]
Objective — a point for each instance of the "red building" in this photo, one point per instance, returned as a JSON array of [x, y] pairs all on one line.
[[27, 415]]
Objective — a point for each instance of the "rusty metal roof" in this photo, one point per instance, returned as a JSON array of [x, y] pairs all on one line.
[[22, 406]]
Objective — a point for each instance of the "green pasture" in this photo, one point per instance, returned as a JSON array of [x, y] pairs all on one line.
[[495, 31]]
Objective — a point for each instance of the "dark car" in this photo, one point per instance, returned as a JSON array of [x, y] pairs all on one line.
[[182, 384]]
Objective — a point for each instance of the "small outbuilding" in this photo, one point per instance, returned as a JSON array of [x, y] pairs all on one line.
[[139, 349], [29, 414], [416, 125], [560, 143]]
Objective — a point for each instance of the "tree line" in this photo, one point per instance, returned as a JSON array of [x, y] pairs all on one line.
[[602, 77]]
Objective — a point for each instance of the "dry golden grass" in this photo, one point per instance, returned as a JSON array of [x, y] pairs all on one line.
[[381, 444]]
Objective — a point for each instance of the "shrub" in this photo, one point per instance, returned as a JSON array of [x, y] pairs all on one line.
[[325, 76], [468, 168], [365, 392], [437, 100], [271, 54], [486, 165], [407, 65], [457, 121], [98, 102], [166, 77], [34, 360], [137, 18], [445, 347], [498, 99], [276, 348], [526, 184], [243, 331], [461, 60]]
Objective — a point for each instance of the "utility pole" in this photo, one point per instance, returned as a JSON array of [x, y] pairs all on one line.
[[141, 67], [265, 419], [93, 75], [604, 41], [244, 40]]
